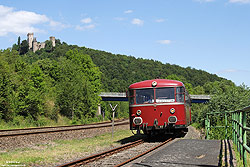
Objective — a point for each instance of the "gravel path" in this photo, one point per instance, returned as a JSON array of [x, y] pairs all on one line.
[[193, 133]]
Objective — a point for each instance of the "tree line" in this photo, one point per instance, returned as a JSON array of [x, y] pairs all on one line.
[[36, 87]]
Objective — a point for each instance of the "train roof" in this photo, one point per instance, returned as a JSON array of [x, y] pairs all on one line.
[[159, 83]]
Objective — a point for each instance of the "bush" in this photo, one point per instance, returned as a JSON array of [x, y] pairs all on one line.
[[231, 99]]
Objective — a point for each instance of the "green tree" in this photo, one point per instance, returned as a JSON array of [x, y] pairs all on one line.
[[86, 65], [5, 89], [18, 45], [31, 91], [8, 83], [15, 47], [48, 46], [24, 47], [79, 86], [218, 87], [188, 86], [199, 90]]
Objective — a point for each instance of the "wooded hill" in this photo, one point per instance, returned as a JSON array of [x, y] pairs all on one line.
[[119, 71]]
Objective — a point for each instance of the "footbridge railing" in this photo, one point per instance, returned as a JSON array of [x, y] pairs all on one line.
[[240, 129], [238, 126]]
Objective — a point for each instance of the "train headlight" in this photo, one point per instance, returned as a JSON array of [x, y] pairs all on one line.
[[172, 119], [154, 83], [138, 112], [137, 120], [172, 110]]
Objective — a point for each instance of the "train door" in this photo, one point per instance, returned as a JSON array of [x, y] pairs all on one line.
[[187, 107]]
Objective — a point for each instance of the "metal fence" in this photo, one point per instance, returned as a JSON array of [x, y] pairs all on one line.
[[239, 128], [209, 126]]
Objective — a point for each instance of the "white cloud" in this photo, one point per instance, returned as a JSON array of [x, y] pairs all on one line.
[[160, 20], [57, 25], [86, 27], [4, 10], [138, 22], [164, 42], [239, 1], [86, 20], [233, 71], [21, 22], [128, 11], [88, 24]]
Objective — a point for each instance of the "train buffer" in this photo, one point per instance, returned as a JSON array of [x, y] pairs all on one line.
[[189, 153]]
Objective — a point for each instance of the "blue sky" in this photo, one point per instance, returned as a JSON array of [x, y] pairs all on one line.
[[212, 35]]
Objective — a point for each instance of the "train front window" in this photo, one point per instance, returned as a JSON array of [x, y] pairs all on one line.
[[164, 95], [144, 96]]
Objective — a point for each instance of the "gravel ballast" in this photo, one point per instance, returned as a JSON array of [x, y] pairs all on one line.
[[13, 142]]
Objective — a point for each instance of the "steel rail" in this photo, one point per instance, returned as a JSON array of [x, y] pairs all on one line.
[[94, 157], [146, 152], [90, 126], [51, 127]]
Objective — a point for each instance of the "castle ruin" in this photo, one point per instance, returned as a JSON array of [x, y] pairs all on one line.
[[34, 45]]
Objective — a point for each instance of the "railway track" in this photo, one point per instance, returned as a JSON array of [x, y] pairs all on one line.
[[119, 156], [41, 130]]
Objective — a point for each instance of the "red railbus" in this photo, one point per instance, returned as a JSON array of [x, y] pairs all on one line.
[[159, 105]]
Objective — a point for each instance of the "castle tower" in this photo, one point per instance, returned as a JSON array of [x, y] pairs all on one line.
[[53, 40], [34, 45], [30, 37]]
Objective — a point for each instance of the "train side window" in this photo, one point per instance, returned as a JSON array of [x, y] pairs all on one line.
[[144, 96], [180, 94], [131, 97], [187, 98]]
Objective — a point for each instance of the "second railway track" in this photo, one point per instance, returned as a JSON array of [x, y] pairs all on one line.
[[41, 130]]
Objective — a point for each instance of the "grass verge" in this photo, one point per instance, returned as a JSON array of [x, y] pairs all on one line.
[[60, 151], [21, 122], [240, 161]]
